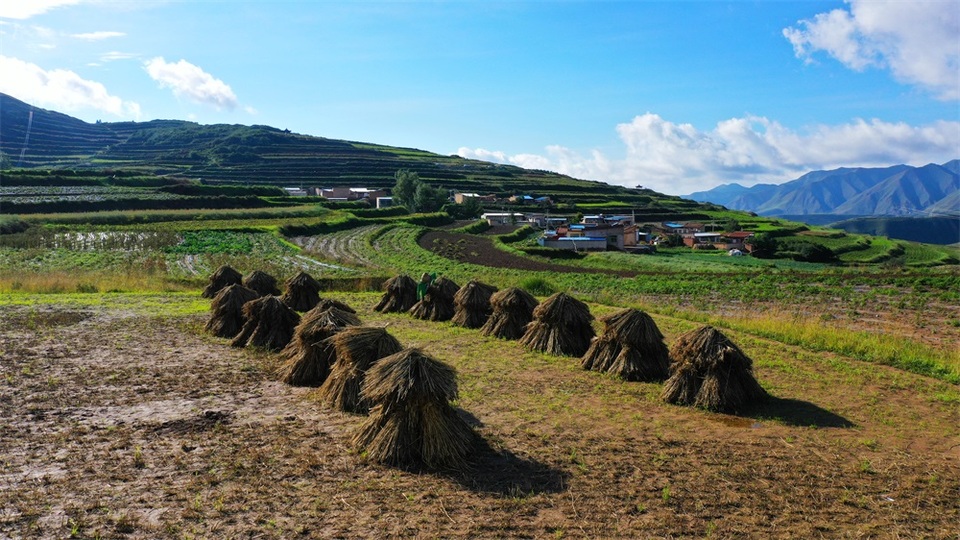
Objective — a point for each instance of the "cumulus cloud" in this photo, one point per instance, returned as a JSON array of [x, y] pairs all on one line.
[[916, 41], [60, 89], [97, 36], [22, 9], [188, 80], [678, 158]]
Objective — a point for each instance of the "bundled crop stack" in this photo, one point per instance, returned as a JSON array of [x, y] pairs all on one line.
[[226, 318], [561, 325], [268, 323], [326, 303], [262, 282], [303, 292], [512, 311], [710, 372], [221, 278], [437, 303], [472, 304], [411, 421], [356, 348], [630, 347], [400, 294], [308, 357]]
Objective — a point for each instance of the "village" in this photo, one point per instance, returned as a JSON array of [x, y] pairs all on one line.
[[596, 232]]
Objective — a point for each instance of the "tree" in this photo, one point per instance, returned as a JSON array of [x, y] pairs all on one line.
[[427, 199], [731, 225], [405, 188], [764, 246]]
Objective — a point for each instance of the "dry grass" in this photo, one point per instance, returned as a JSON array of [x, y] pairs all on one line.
[[561, 326], [222, 277], [411, 421], [262, 282], [303, 292], [400, 294], [268, 324], [357, 349], [472, 304], [512, 312], [226, 318]]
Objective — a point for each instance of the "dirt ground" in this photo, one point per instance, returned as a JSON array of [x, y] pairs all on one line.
[[117, 424]]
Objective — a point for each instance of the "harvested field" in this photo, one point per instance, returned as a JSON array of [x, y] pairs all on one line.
[[474, 249], [121, 422]]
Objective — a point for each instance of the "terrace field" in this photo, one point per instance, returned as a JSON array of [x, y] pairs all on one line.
[[122, 418]]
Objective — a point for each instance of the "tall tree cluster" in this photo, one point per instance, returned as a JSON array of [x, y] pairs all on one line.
[[415, 194]]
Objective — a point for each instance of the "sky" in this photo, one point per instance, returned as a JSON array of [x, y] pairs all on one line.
[[677, 96]]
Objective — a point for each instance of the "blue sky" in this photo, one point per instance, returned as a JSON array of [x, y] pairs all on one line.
[[676, 96]]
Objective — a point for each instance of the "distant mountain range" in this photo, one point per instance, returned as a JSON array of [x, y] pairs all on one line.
[[827, 196]]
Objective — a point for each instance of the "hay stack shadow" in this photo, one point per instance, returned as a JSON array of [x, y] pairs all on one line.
[[472, 304], [226, 310], [512, 312], [220, 279], [795, 412], [437, 303], [400, 294], [561, 325], [501, 472]]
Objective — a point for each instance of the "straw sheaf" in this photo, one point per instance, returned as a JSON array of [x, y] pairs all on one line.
[[409, 374], [269, 323], [411, 421], [711, 372], [400, 295], [262, 282], [303, 292], [356, 348], [226, 318], [308, 357], [630, 347], [562, 309], [437, 303], [512, 312], [221, 278], [472, 304], [326, 303]]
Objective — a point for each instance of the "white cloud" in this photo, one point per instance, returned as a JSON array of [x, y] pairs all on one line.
[[116, 55], [24, 9], [188, 80], [916, 41], [97, 36], [60, 89], [678, 158]]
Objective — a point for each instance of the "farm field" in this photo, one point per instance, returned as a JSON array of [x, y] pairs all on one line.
[[154, 429], [122, 418]]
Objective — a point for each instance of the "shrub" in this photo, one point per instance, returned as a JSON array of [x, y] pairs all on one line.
[[538, 286]]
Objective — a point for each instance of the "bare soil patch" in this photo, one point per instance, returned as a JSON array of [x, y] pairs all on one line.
[[475, 249], [120, 425]]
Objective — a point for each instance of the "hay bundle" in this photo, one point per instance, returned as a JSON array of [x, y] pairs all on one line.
[[262, 282], [711, 372], [472, 304], [303, 292], [308, 357], [268, 323], [411, 421], [400, 294], [356, 349], [561, 325], [631, 347], [512, 311], [222, 277], [327, 303], [437, 303], [226, 318]]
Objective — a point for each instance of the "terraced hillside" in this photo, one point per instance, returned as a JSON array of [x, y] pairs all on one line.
[[36, 138]]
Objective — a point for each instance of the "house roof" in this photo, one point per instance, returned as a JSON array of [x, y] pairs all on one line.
[[738, 234]]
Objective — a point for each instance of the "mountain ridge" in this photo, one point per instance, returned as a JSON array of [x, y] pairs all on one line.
[[898, 190]]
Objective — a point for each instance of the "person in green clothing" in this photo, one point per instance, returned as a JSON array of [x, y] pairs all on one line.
[[425, 281]]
